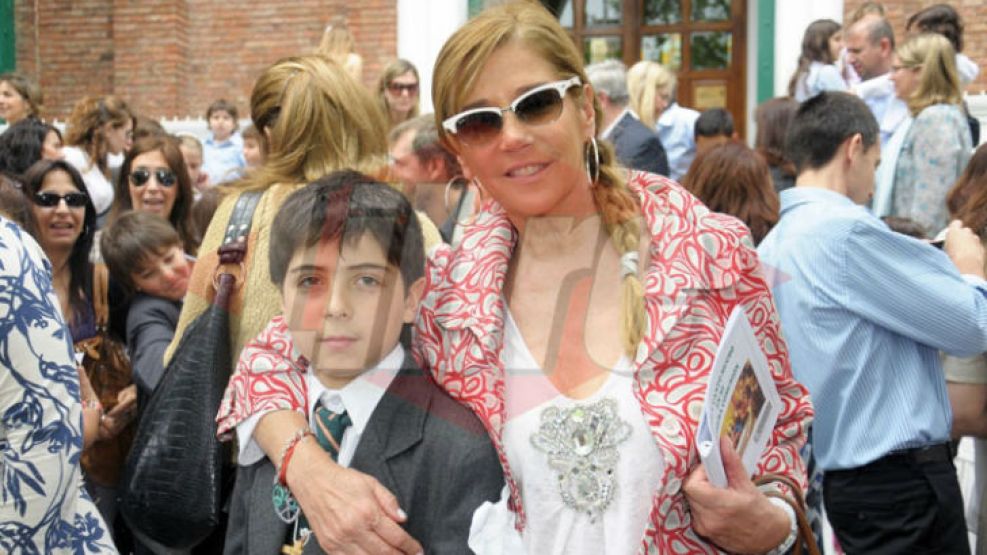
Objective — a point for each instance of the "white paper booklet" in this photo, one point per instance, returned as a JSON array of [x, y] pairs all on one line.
[[741, 403]]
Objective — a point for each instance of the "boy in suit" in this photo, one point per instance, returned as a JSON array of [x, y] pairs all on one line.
[[347, 255]]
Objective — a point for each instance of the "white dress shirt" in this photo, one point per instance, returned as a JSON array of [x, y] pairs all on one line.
[[359, 398]]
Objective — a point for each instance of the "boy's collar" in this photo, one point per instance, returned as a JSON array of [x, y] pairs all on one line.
[[362, 395]]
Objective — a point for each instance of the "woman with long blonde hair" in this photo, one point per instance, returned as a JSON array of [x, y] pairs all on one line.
[[937, 145], [652, 90], [338, 43], [578, 319], [318, 120], [397, 91]]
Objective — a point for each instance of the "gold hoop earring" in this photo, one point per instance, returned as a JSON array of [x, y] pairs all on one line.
[[593, 162]]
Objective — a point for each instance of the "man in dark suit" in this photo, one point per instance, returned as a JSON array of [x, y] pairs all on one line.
[[637, 146]]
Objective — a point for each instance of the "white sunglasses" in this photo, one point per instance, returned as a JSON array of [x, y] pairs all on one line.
[[540, 105]]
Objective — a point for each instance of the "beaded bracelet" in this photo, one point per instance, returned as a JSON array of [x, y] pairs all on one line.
[[92, 404], [288, 451]]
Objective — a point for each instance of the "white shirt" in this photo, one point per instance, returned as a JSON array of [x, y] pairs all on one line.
[[677, 131], [99, 188], [967, 69], [359, 398], [555, 527], [889, 110]]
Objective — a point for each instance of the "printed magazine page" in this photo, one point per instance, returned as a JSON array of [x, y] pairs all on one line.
[[741, 403]]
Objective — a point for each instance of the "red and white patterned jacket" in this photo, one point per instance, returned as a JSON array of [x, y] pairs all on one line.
[[701, 266]]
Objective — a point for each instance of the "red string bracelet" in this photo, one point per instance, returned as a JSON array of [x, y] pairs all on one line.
[[288, 451]]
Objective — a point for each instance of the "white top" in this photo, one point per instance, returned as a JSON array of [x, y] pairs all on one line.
[[676, 128], [820, 77], [967, 69], [98, 186], [889, 110], [555, 525], [359, 398]]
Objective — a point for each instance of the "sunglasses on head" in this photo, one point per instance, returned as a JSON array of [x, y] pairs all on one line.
[[398, 88], [140, 176], [50, 200], [538, 106]]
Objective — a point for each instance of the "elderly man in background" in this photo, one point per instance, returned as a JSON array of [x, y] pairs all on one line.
[[637, 146]]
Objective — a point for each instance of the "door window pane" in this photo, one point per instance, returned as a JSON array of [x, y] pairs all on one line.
[[710, 10], [597, 49], [662, 12], [666, 49], [603, 12], [711, 50]]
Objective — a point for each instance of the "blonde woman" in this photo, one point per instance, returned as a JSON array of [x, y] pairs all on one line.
[[397, 91], [302, 103], [337, 43], [937, 145], [652, 89], [576, 300], [97, 127]]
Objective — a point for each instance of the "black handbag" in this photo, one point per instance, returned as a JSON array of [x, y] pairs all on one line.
[[172, 485]]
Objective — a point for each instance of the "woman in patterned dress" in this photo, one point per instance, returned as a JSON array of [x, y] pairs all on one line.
[[937, 146], [578, 318], [44, 508]]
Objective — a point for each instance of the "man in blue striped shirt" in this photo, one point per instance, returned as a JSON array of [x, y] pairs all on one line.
[[865, 312]]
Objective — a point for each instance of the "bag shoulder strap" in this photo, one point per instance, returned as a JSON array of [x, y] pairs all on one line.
[[241, 218], [101, 292]]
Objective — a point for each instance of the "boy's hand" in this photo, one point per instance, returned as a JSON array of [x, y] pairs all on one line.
[[349, 512]]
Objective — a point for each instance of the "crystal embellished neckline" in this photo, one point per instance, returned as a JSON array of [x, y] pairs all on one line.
[[581, 444]]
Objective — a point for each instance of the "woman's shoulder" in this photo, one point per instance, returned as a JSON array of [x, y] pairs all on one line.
[[938, 113], [680, 226]]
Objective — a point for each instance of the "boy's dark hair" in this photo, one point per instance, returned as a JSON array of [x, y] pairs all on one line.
[[714, 122], [222, 105], [127, 243], [821, 125], [346, 205]]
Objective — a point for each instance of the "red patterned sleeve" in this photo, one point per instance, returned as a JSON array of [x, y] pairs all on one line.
[[782, 455], [268, 376]]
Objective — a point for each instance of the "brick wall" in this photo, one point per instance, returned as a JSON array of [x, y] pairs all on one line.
[[172, 58], [973, 12]]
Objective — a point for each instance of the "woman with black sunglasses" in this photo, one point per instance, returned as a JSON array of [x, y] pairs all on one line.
[[578, 318], [154, 179], [65, 225], [397, 90]]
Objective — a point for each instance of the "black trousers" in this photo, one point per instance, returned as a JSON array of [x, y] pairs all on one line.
[[907, 502]]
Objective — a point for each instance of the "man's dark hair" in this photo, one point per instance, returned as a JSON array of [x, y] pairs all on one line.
[[821, 125], [347, 205], [713, 123]]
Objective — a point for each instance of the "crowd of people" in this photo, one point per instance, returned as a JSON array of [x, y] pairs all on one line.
[[489, 328]]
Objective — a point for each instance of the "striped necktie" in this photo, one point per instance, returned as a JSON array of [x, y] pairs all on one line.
[[329, 429]]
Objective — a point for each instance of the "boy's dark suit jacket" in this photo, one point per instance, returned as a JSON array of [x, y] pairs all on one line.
[[638, 147], [431, 452]]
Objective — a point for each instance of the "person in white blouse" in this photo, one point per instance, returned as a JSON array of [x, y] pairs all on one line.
[[817, 71], [98, 127]]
